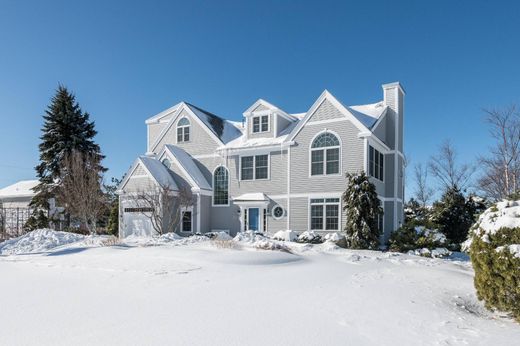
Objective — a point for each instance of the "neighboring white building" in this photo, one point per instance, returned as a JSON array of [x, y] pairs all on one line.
[[273, 171], [14, 205]]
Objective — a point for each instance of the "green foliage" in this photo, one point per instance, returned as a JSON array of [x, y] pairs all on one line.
[[454, 215], [363, 209], [414, 211], [113, 219], [413, 236], [66, 128], [37, 220], [497, 271]]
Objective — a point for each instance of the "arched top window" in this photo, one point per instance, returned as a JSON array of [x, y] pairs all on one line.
[[325, 154], [183, 130], [166, 163], [326, 139], [221, 186]]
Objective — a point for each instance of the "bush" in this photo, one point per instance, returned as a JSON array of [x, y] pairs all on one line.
[[413, 237], [495, 255], [309, 237]]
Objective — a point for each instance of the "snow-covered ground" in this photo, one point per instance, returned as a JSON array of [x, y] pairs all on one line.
[[194, 291]]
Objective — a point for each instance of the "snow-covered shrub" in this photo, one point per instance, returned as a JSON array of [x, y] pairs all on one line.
[[411, 237], [225, 244], [495, 254], [110, 241], [285, 236], [363, 208], [336, 238], [310, 237], [271, 245], [218, 235], [435, 253], [249, 236]]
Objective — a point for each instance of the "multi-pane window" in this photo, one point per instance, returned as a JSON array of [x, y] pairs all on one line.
[[254, 167], [261, 124], [220, 186], [324, 214], [376, 161], [186, 221], [325, 155], [183, 130]]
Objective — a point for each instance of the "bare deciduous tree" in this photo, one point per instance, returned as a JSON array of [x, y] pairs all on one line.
[[163, 205], [80, 191], [445, 168], [502, 168], [423, 192]]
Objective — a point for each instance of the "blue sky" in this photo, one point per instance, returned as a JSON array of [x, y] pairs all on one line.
[[127, 61]]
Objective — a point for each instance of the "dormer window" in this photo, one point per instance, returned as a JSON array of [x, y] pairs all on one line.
[[183, 130], [261, 124]]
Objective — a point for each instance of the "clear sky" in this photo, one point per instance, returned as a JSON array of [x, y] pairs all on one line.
[[129, 60]]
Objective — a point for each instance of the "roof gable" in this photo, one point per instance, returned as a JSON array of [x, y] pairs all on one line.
[[188, 166], [269, 106], [342, 109], [154, 169]]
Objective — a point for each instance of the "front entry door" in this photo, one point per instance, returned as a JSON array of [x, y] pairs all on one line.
[[253, 218]]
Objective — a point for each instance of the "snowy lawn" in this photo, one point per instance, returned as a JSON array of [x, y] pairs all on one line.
[[198, 292]]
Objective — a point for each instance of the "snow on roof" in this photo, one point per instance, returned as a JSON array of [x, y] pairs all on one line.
[[186, 161], [22, 188], [223, 129], [159, 172], [252, 197], [368, 114], [244, 143]]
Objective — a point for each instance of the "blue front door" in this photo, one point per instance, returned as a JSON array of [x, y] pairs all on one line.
[[253, 217]]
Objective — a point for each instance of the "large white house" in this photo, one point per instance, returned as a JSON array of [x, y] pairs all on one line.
[[274, 170]]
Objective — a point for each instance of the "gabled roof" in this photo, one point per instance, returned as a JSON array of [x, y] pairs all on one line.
[[157, 118], [154, 169], [22, 188], [188, 166], [271, 107], [344, 110], [222, 131], [368, 114]]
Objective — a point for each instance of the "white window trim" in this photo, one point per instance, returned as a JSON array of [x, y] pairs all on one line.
[[368, 164], [311, 149], [254, 167], [340, 214], [268, 115], [177, 127], [190, 209], [213, 188]]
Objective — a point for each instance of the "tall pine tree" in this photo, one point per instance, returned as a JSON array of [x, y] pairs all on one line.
[[66, 128], [363, 210]]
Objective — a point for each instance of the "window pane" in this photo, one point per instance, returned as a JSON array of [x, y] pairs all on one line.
[[371, 162], [186, 134], [179, 134], [317, 162], [317, 200], [220, 186], [261, 165], [332, 220], [183, 122], [265, 123], [186, 221], [381, 165], [316, 217], [247, 168], [256, 124], [332, 161], [325, 140], [332, 200]]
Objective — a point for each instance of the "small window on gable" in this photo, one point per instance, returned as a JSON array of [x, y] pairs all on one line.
[[183, 130], [260, 124], [376, 162]]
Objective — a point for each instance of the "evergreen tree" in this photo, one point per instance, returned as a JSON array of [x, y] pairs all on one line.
[[363, 210], [454, 215], [66, 128], [113, 219], [415, 212]]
